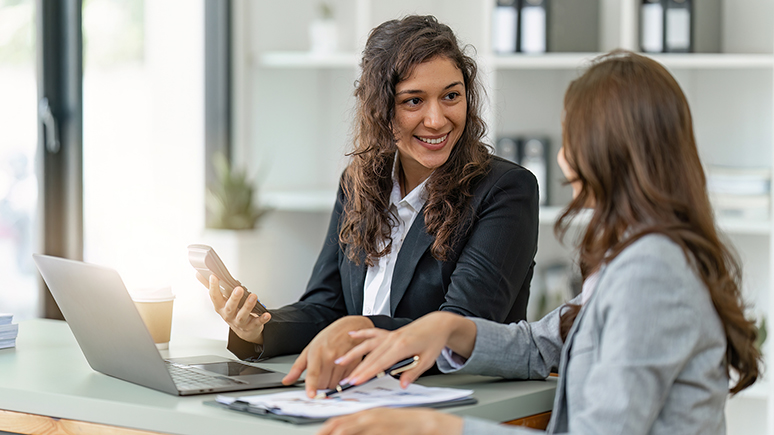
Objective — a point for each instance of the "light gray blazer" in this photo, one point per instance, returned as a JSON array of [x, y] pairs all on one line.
[[646, 354]]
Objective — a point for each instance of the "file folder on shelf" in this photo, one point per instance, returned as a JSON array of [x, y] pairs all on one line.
[[531, 152], [533, 28], [666, 26], [678, 19], [652, 26], [505, 26]]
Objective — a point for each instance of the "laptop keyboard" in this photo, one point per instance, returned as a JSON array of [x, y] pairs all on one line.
[[188, 379]]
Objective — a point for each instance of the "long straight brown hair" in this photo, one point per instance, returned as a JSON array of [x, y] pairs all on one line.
[[392, 51], [628, 135]]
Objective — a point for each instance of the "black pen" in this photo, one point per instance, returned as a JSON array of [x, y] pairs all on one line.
[[394, 370]]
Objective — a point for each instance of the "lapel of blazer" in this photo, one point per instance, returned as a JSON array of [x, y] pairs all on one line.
[[414, 246], [559, 416], [561, 388], [357, 284]]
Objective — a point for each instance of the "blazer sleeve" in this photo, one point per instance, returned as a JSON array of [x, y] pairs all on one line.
[[292, 327], [493, 269], [515, 351]]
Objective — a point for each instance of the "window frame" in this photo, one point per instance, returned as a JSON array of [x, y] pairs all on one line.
[[217, 86], [59, 58]]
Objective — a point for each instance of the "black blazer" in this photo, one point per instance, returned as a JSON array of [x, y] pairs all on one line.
[[487, 274]]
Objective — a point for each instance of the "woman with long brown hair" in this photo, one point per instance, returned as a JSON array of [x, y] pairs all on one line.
[[426, 218], [650, 344]]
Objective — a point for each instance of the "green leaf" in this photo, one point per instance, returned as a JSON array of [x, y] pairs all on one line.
[[230, 198]]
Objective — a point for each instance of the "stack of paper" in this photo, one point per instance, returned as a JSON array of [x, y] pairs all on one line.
[[385, 391], [740, 192], [8, 331]]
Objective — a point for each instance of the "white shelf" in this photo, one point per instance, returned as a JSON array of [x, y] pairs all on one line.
[[715, 61], [678, 61], [310, 201], [759, 390], [548, 216], [305, 59], [542, 61], [745, 226], [322, 200]]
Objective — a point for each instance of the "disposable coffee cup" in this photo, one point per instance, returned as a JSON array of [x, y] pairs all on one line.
[[155, 307]]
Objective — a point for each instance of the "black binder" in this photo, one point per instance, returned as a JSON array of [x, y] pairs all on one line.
[[534, 155], [666, 26], [533, 26], [505, 26], [531, 152], [678, 24], [508, 148], [651, 26]]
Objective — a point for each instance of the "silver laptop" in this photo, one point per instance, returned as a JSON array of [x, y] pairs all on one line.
[[115, 341]]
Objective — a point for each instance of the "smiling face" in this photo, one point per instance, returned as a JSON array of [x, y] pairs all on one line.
[[430, 114]]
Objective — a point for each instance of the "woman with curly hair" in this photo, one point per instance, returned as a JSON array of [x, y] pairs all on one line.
[[426, 218], [650, 345]]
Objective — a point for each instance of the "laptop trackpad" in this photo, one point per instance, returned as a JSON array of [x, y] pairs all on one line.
[[231, 368]]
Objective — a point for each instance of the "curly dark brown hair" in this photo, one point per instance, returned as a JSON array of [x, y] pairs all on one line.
[[628, 135], [392, 51]]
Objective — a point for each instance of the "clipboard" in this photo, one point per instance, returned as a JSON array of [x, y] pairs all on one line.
[[244, 407]]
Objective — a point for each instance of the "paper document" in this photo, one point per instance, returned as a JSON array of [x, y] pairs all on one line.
[[385, 391], [8, 331]]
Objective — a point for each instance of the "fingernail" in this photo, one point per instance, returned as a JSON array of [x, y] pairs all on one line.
[[352, 332], [338, 361], [344, 381]]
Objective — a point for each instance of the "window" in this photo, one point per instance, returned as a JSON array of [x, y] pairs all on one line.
[[143, 147], [18, 142]]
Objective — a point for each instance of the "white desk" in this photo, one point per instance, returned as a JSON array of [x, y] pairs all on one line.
[[46, 380]]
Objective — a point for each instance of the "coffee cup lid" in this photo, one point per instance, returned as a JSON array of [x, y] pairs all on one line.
[[152, 294]]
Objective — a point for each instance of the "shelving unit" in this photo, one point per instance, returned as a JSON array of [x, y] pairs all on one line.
[[294, 116]]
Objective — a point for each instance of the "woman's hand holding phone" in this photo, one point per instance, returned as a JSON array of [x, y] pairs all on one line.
[[246, 324]]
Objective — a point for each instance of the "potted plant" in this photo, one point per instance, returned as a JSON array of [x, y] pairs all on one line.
[[230, 200], [323, 34]]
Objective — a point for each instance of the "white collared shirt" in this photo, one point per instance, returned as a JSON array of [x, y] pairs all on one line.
[[378, 281], [588, 287]]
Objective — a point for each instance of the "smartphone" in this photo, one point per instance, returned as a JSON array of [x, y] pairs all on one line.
[[204, 259]]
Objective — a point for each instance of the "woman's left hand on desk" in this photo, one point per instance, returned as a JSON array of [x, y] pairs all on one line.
[[393, 421], [319, 355]]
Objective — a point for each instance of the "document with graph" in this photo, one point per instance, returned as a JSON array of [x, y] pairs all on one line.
[[382, 392]]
